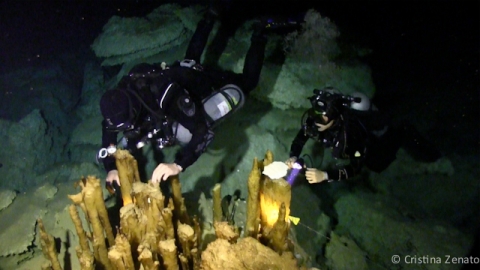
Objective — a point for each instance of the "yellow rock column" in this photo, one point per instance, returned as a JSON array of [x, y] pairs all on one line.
[[82, 236], [127, 172], [253, 201], [91, 201], [99, 246], [187, 239], [277, 236], [273, 193], [217, 203], [179, 210], [48, 247], [121, 254], [168, 250]]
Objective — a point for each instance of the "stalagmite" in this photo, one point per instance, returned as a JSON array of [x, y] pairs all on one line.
[[268, 159], [146, 258], [184, 262], [169, 229], [198, 231], [136, 173], [187, 239], [149, 200], [180, 209], [101, 208], [273, 193], [90, 199], [168, 250], [77, 200], [127, 172], [82, 236], [217, 203], [85, 258], [48, 247], [149, 242], [99, 246], [196, 259], [253, 200], [120, 254], [277, 237], [130, 220]]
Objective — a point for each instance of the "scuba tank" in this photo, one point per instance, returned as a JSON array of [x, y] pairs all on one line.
[[217, 106], [222, 103]]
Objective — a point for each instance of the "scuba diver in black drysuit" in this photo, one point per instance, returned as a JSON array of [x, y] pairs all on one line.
[[355, 130], [179, 103]]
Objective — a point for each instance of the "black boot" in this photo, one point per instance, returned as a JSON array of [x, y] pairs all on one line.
[[200, 36]]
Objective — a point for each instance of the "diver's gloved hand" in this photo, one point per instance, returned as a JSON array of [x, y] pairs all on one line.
[[290, 162], [112, 176], [315, 176], [165, 170]]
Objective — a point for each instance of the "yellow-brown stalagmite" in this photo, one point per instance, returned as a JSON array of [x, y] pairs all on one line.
[[268, 159], [146, 259], [102, 209], [184, 261], [48, 247], [179, 207], [142, 225], [83, 251], [127, 172], [85, 258], [274, 194], [131, 220], [82, 235], [187, 239], [150, 200], [168, 250], [198, 232], [167, 215], [148, 252], [277, 236], [253, 210], [275, 197], [217, 203], [99, 246], [120, 254], [196, 259], [90, 199]]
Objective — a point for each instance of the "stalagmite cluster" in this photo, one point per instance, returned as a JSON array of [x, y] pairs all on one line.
[[157, 233]]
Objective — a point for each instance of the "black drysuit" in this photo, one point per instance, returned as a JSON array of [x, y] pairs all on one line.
[[198, 82], [366, 138], [336, 138]]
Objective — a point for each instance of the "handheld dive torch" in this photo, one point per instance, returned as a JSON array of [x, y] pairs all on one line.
[[297, 167]]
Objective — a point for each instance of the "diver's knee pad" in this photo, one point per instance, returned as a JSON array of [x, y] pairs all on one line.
[[223, 102]]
